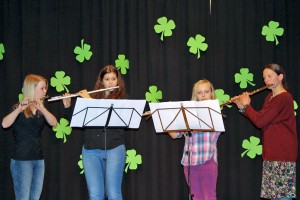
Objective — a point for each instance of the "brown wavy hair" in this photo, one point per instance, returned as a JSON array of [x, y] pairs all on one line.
[[115, 94]]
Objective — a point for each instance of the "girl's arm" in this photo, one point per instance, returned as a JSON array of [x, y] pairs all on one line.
[[51, 119], [11, 117], [175, 135]]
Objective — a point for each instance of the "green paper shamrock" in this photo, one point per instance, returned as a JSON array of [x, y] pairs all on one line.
[[295, 107], [272, 31], [60, 81], [62, 129], [164, 27], [80, 164], [222, 97], [132, 160], [252, 147], [21, 96], [83, 52], [2, 51], [196, 44], [244, 77], [122, 63], [153, 95]]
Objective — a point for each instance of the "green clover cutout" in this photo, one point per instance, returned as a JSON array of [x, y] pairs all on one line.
[[2, 51], [60, 81], [21, 95], [62, 129], [272, 31], [252, 147], [244, 77], [80, 164], [196, 44], [122, 63], [83, 52], [132, 160], [153, 95], [164, 27], [222, 97], [295, 107]]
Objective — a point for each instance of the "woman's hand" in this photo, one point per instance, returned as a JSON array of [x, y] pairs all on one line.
[[24, 104], [66, 101], [37, 103], [84, 94], [242, 100]]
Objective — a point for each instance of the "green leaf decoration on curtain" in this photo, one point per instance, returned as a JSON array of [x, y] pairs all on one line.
[[222, 97], [164, 27], [252, 147], [272, 31], [295, 107], [153, 95], [196, 44], [80, 165], [60, 81], [244, 77], [21, 95], [122, 64], [2, 51], [132, 160], [62, 129], [83, 52]]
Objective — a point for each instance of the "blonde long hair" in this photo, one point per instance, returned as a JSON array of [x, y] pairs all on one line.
[[30, 82], [194, 92]]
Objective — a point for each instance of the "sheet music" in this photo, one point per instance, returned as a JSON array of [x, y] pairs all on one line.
[[94, 112], [201, 115]]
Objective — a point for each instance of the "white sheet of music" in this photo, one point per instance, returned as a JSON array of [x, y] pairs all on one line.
[[94, 112], [201, 115]]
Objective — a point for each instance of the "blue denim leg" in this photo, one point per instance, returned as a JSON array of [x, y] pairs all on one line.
[[93, 162], [28, 178], [114, 173], [283, 199]]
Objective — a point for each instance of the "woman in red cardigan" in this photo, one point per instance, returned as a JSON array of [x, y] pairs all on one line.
[[279, 135]]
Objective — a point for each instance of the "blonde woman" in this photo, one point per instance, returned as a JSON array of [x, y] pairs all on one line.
[[27, 120]]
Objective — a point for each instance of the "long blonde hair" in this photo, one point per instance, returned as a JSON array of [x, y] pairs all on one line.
[[30, 82], [194, 92]]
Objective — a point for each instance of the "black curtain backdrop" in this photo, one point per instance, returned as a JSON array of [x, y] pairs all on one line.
[[40, 36]]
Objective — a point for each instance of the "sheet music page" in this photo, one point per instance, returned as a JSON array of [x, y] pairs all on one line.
[[94, 112], [201, 115]]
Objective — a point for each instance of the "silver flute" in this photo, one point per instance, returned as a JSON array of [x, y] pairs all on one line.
[[31, 101]]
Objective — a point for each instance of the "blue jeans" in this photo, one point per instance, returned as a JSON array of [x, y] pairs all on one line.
[[282, 199], [28, 178], [94, 167]]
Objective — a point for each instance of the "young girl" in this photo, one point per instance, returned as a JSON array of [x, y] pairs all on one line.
[[203, 152], [104, 154], [28, 120]]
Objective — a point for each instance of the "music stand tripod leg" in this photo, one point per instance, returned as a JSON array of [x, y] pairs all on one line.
[[189, 135], [105, 158]]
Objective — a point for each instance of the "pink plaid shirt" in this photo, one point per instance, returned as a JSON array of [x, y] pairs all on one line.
[[203, 147]]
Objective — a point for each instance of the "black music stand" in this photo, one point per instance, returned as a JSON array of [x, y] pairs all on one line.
[[181, 116], [112, 113]]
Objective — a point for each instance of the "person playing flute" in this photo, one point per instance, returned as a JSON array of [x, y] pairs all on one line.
[[279, 136]]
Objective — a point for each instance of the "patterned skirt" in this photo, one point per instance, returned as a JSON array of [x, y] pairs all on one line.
[[278, 180]]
